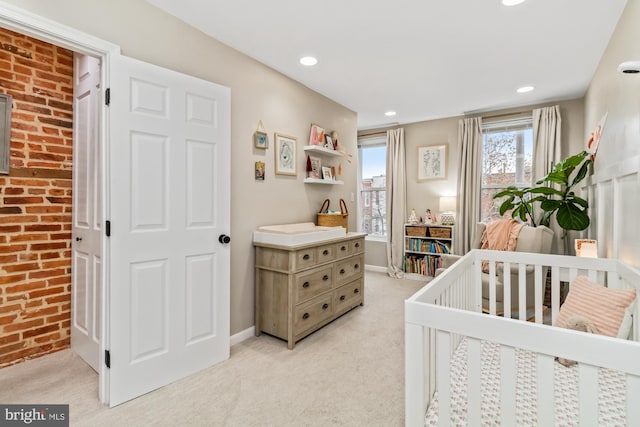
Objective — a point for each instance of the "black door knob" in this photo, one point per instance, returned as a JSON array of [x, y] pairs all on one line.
[[78, 239], [224, 239]]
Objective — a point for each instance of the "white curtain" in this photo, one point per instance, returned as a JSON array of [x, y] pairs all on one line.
[[469, 183], [396, 201], [546, 153]]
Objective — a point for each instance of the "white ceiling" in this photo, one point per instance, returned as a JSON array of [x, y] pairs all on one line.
[[425, 59]]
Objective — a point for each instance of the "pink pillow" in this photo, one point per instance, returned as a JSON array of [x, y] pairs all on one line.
[[603, 306]]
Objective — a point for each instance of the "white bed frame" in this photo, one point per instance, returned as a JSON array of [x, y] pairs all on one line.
[[450, 307]]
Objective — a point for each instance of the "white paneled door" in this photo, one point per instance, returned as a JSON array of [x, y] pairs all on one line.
[[87, 233], [169, 215]]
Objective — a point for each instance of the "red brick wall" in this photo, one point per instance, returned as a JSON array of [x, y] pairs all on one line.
[[35, 199]]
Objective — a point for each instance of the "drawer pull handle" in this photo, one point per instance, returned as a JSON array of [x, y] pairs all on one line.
[[357, 245], [325, 252], [325, 277], [325, 306], [356, 291], [343, 248], [355, 266], [342, 271], [343, 297], [305, 316], [306, 284], [305, 257]]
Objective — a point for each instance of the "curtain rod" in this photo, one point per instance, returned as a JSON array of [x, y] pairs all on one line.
[[365, 135], [515, 113]]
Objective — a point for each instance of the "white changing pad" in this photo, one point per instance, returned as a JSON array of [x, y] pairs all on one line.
[[612, 386]]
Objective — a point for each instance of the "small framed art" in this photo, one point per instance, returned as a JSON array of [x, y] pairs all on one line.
[[432, 162], [261, 139], [260, 167], [316, 135], [316, 168], [285, 154], [326, 173]]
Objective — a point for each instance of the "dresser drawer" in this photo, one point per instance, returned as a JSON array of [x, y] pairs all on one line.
[[325, 253], [313, 282], [343, 250], [348, 269], [348, 296], [309, 315], [305, 258], [356, 246]]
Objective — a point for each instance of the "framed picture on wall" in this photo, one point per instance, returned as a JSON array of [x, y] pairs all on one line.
[[285, 154], [260, 139], [432, 162]]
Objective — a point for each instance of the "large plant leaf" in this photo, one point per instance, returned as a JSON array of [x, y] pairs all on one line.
[[550, 205], [580, 201], [582, 172], [571, 217], [546, 190]]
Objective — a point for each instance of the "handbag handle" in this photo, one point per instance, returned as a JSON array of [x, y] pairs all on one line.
[[323, 208], [344, 212]]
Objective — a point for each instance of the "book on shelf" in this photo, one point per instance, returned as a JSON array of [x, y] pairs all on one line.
[[422, 264], [433, 246]]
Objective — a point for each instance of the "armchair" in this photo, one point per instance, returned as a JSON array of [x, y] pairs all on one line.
[[531, 239]]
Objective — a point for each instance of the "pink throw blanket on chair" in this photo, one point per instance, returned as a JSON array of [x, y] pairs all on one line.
[[500, 235]]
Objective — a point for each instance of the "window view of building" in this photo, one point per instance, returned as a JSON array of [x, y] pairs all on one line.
[[506, 160], [372, 213]]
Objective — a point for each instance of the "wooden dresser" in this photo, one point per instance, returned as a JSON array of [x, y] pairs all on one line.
[[301, 288]]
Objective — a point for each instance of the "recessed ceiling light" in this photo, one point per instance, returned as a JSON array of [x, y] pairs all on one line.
[[512, 2], [525, 89], [390, 113], [308, 61]]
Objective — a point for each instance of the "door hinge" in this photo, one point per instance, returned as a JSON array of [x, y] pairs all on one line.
[[107, 228], [107, 96], [107, 358]]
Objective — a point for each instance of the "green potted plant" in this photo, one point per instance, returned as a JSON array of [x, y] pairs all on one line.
[[570, 210]]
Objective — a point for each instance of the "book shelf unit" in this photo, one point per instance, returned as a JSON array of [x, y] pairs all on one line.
[[423, 246]]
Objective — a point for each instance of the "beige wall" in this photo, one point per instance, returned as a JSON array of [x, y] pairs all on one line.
[[616, 93], [615, 206], [257, 93]]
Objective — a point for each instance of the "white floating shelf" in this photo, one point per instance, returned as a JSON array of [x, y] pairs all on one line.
[[321, 150], [322, 181]]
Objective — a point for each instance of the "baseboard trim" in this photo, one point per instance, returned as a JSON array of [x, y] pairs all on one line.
[[376, 268], [242, 335]]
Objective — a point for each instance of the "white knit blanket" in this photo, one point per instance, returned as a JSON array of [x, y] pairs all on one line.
[[612, 386]]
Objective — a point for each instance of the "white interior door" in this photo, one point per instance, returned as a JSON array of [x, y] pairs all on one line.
[[169, 203], [87, 212]]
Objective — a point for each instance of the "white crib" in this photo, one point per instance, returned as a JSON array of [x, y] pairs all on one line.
[[446, 316]]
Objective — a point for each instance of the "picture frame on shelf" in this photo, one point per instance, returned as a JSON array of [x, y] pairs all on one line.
[[316, 168], [326, 173], [285, 154], [432, 162], [328, 142], [316, 135], [261, 139]]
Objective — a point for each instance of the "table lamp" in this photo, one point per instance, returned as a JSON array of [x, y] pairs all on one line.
[[447, 210]]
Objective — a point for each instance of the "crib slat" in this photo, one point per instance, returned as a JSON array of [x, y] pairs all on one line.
[[633, 409], [506, 287], [443, 360], [508, 385], [522, 292], [544, 380], [587, 393], [415, 379], [474, 393], [538, 292], [492, 288]]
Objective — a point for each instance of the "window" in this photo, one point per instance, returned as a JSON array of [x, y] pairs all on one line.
[[372, 208], [507, 153]]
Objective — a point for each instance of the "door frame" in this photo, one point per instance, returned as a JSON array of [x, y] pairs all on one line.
[[30, 24]]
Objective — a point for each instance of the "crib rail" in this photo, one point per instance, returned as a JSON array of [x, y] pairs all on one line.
[[450, 307]]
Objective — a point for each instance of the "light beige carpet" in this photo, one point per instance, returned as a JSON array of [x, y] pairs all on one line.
[[349, 373]]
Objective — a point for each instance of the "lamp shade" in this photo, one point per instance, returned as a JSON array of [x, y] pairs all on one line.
[[447, 204]]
